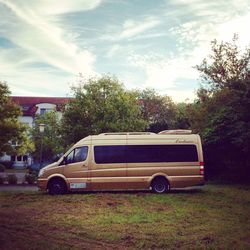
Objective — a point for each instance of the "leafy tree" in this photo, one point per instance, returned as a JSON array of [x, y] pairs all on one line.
[[50, 140], [101, 105], [10, 128], [159, 111], [182, 119], [221, 113]]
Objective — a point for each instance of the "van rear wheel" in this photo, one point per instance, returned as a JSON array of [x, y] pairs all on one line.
[[160, 185], [57, 187]]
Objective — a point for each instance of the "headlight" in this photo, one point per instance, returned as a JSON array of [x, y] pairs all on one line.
[[41, 172]]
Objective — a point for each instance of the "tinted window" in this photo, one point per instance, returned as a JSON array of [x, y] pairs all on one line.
[[110, 154], [145, 153], [77, 155], [161, 153]]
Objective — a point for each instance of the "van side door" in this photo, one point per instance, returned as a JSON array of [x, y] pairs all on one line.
[[108, 168], [76, 168]]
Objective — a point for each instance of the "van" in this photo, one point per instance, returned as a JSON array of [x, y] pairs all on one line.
[[119, 161]]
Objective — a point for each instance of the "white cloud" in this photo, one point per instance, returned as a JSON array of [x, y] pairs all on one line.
[[53, 7], [132, 28], [39, 36], [163, 72], [38, 82], [238, 25], [113, 50]]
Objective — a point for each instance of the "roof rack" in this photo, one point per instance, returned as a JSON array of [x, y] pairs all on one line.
[[176, 131], [128, 133]]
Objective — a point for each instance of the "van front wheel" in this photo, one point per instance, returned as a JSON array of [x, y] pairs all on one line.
[[160, 185], [56, 187]]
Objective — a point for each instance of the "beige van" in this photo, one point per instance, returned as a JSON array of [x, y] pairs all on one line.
[[118, 161]]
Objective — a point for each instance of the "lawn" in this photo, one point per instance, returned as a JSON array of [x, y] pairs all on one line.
[[216, 216]]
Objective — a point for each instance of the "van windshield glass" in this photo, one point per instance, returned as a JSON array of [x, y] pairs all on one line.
[[77, 155]]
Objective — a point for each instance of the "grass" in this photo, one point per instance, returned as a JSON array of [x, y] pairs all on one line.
[[216, 216]]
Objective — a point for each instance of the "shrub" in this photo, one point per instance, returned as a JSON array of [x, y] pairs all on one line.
[[2, 180], [2, 168], [12, 179], [8, 164], [30, 178]]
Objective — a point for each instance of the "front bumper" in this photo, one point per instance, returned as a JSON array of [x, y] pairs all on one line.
[[42, 184]]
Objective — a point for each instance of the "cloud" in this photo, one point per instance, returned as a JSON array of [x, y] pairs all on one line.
[[38, 35], [132, 28], [238, 25], [55, 7], [164, 72], [113, 50]]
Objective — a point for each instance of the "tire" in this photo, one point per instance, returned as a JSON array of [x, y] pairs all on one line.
[[57, 187], [160, 185]]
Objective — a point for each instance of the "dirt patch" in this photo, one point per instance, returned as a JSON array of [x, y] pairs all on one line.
[[21, 232]]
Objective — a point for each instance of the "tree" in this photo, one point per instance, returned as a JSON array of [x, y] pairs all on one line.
[[158, 111], [50, 140], [221, 112], [10, 128], [101, 105], [181, 117]]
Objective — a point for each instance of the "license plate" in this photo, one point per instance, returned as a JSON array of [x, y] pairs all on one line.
[[77, 185]]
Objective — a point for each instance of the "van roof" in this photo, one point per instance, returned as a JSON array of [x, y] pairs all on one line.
[[176, 136]]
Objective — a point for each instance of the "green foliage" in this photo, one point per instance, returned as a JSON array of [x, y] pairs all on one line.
[[181, 118], [221, 113], [159, 111], [30, 178], [7, 164], [101, 105], [12, 179], [2, 168], [50, 140], [10, 127], [2, 180]]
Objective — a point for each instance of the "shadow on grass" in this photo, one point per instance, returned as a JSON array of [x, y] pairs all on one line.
[[142, 192]]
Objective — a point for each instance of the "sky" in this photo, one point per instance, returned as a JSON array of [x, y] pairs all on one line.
[[45, 44]]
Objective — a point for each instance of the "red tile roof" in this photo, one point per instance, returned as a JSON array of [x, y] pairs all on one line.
[[28, 104]]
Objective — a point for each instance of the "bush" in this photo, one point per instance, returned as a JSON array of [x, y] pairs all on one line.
[[8, 164], [30, 178], [12, 179], [2, 180], [2, 168]]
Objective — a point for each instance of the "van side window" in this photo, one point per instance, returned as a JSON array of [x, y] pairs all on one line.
[[77, 155], [145, 153], [161, 153], [110, 154]]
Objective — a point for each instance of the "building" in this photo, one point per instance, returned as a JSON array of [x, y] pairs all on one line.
[[32, 106]]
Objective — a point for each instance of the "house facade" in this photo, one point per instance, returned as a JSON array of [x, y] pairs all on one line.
[[32, 106]]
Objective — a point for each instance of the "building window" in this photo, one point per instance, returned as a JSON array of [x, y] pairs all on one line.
[[13, 158], [14, 143], [19, 158], [25, 158], [42, 111]]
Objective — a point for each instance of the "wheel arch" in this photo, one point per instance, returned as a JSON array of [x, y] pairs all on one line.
[[57, 177], [159, 175]]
